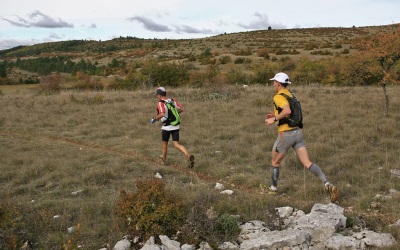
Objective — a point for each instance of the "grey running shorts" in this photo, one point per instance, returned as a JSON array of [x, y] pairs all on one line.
[[292, 138]]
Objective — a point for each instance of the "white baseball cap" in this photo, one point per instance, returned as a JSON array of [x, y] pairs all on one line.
[[281, 77], [161, 91]]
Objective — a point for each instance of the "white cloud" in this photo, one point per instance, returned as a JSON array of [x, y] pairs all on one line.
[[149, 24], [38, 19]]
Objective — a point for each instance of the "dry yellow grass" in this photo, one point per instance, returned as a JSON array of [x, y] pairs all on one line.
[[100, 142]]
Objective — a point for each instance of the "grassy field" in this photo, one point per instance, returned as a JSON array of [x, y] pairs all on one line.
[[101, 142]]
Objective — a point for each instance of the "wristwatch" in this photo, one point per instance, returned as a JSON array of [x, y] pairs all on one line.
[[275, 120]]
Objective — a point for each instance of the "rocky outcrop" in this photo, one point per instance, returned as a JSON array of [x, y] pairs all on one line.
[[323, 228]]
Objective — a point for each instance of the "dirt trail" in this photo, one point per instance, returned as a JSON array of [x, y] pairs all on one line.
[[120, 152]]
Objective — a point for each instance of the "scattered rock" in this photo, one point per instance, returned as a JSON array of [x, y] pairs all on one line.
[[219, 186], [228, 192], [395, 172], [75, 193], [188, 247], [286, 215], [372, 239], [277, 240], [71, 230], [252, 230], [284, 211], [396, 224], [122, 245], [150, 245], [339, 242], [392, 194], [169, 244], [204, 246], [228, 246]]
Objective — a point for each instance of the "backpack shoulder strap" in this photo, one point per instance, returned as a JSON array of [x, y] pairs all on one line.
[[286, 96]]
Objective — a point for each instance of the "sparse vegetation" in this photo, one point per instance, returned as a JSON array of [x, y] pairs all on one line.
[[78, 151], [101, 142]]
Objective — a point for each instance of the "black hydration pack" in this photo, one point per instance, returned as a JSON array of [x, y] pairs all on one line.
[[295, 119]]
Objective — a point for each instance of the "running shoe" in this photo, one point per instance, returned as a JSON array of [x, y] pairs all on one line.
[[272, 191], [163, 161], [191, 161], [332, 191]]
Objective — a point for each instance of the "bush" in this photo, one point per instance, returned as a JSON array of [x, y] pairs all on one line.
[[166, 74], [225, 59], [86, 82], [263, 53], [361, 70], [197, 78], [337, 46], [243, 52], [200, 223], [126, 84], [310, 46], [151, 210], [287, 52], [322, 52], [236, 75], [228, 225], [345, 51], [12, 227], [209, 219], [241, 60], [50, 84]]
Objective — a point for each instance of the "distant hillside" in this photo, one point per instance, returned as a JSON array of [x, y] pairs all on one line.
[[237, 58], [276, 41]]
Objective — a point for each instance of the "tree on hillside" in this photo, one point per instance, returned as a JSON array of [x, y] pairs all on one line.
[[3, 72], [385, 48], [360, 70], [165, 74], [309, 71]]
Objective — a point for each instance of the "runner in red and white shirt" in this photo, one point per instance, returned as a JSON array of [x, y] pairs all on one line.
[[168, 130]]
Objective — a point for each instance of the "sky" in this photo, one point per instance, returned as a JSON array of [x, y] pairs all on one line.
[[28, 22]]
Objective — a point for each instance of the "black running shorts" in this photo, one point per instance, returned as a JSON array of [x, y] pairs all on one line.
[[165, 134]]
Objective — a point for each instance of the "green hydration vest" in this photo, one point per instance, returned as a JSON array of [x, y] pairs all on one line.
[[174, 118]]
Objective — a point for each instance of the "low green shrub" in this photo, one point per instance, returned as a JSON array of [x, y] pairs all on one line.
[[228, 225], [151, 210]]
